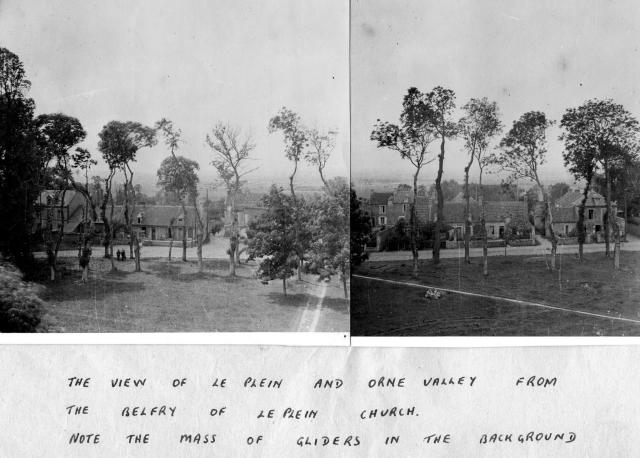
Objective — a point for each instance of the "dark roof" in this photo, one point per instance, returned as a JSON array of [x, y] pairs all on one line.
[[455, 212], [574, 197], [564, 215], [402, 197], [155, 215], [498, 211], [380, 198], [495, 211]]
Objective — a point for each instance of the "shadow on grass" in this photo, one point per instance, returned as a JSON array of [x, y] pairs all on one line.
[[94, 290], [302, 299], [187, 271]]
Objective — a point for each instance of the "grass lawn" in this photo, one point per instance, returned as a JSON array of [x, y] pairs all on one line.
[[593, 286], [169, 297]]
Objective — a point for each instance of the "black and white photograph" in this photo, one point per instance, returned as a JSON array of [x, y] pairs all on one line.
[[174, 166], [495, 168]]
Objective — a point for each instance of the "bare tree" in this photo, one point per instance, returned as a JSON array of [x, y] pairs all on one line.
[[231, 154], [320, 147]]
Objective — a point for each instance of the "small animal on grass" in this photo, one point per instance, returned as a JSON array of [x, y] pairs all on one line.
[[433, 293]]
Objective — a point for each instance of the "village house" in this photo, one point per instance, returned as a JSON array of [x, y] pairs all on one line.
[[387, 208], [248, 206], [163, 222], [154, 224], [565, 215], [500, 216], [57, 210]]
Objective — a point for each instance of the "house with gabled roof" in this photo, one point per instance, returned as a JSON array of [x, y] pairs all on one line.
[[379, 208], [61, 210], [498, 215], [156, 222], [565, 215]]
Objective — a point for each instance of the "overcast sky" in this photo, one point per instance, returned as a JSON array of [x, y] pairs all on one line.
[[525, 55], [194, 62]]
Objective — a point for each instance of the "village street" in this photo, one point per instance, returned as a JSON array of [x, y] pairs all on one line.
[[544, 247], [215, 249]]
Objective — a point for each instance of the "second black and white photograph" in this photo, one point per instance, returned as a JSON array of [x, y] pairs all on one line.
[[495, 168]]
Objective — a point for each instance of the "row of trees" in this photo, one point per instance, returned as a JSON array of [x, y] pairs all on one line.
[[599, 135], [39, 153]]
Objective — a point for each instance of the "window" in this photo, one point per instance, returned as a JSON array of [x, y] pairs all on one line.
[[492, 230], [566, 229], [383, 209], [590, 214], [382, 220]]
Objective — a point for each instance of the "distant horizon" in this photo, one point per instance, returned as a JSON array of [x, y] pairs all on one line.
[[196, 64]]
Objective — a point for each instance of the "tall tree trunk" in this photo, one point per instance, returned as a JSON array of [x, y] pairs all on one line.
[[612, 224], [137, 252], [284, 286], [297, 222], [616, 248], [232, 249], [234, 239], [111, 237], [414, 225], [184, 232], [609, 219], [238, 251], [581, 229], [291, 177], [483, 230], [440, 217], [467, 212], [54, 243], [324, 181], [170, 242], [343, 277], [549, 227], [198, 230], [106, 224]]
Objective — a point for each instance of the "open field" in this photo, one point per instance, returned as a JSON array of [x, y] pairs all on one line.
[[380, 308], [174, 297]]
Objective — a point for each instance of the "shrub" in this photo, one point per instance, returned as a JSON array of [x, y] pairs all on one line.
[[19, 303]]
